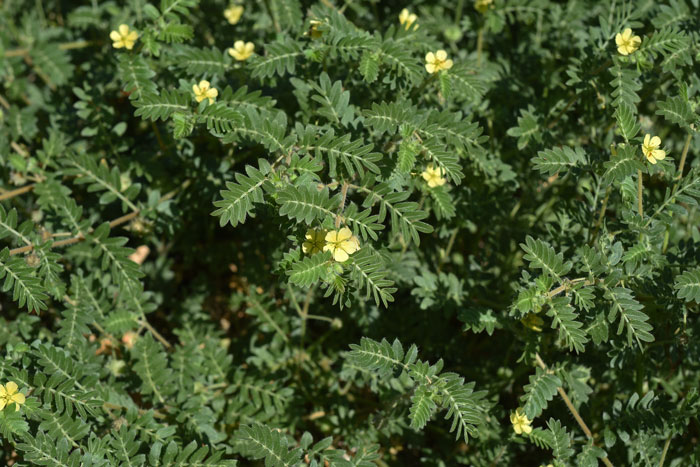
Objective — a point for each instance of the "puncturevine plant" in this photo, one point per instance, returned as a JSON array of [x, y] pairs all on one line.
[[349, 233]]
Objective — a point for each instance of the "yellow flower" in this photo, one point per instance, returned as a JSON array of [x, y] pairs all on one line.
[[650, 149], [626, 42], [9, 395], [407, 19], [532, 321], [123, 37], [315, 241], [437, 61], [314, 32], [482, 5], [341, 243], [241, 50], [433, 176], [233, 13], [520, 422], [204, 91]]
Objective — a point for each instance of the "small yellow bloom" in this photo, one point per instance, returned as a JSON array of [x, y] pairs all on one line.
[[651, 150], [204, 91], [532, 321], [433, 176], [9, 395], [341, 243], [314, 32], [233, 13], [241, 50], [482, 5], [123, 37], [626, 42], [520, 422], [407, 19], [437, 61], [315, 241]]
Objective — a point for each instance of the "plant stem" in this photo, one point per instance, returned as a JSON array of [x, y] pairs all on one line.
[[663, 454], [341, 208], [640, 188], [479, 46], [681, 165], [16, 192], [573, 410], [603, 207]]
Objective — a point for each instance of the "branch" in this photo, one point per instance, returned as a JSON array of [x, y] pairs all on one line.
[[573, 410]]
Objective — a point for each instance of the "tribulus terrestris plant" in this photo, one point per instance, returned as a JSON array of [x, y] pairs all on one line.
[[343, 233]]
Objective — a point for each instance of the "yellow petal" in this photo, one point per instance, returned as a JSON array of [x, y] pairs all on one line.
[[2, 404], [239, 45], [447, 65], [249, 47], [18, 398], [204, 85], [430, 68], [129, 44], [403, 16], [647, 137], [2, 391], [123, 29], [527, 429], [619, 40], [132, 36], [626, 34], [650, 158], [622, 50], [332, 236], [655, 142], [441, 55], [118, 44], [430, 58], [115, 36], [196, 89], [11, 388], [344, 234], [213, 92], [340, 256], [659, 154]]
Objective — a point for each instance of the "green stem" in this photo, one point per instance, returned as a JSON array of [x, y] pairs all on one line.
[[458, 11], [640, 188], [663, 454]]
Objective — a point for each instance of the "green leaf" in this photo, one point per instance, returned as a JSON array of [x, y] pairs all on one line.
[[369, 66], [26, 287], [306, 203], [631, 316], [687, 285], [627, 122], [260, 442], [564, 318], [561, 441], [369, 271], [152, 367], [542, 389], [239, 197], [528, 128], [542, 256], [556, 160], [310, 270]]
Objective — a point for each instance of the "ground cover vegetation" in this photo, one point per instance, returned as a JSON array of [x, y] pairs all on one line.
[[349, 233]]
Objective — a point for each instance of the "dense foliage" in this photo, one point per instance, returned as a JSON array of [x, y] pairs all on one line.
[[339, 233]]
